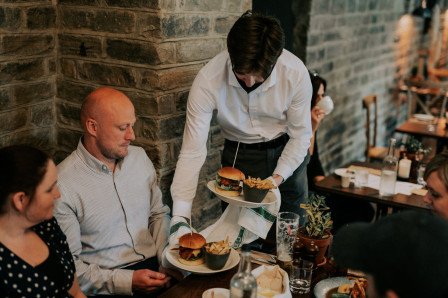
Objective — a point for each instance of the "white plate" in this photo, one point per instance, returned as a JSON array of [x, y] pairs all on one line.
[[239, 200], [217, 293], [423, 117], [172, 255], [341, 171], [325, 285]]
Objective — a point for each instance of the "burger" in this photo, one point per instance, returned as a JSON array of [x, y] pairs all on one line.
[[190, 249], [228, 182]]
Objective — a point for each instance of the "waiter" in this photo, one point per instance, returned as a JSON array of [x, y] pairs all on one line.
[[262, 96]]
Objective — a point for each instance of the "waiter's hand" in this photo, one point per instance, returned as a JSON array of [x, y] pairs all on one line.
[[278, 179]]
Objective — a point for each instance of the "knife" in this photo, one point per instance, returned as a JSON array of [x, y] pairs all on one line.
[[263, 261]]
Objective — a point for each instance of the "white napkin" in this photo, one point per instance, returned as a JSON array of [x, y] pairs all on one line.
[[269, 270], [400, 186], [241, 224]]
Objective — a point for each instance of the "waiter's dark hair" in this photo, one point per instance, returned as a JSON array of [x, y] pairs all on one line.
[[254, 43], [22, 169]]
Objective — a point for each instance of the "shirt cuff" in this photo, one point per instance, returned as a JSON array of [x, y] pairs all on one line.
[[182, 208], [123, 282]]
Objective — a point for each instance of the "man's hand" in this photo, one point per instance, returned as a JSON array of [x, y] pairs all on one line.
[[147, 281], [176, 274]]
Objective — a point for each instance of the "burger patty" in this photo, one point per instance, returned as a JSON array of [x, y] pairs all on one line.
[[227, 184], [190, 254]]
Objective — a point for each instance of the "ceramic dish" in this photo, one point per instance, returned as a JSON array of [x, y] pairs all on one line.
[[216, 293], [239, 200], [172, 255], [341, 171], [423, 117], [325, 285]]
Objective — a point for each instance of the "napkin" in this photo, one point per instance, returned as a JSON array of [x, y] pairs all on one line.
[[272, 281], [241, 224]]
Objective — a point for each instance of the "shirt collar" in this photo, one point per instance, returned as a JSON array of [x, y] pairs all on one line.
[[92, 162], [269, 82]]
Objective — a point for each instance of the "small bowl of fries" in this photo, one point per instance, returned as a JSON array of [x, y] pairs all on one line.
[[217, 254], [255, 189]]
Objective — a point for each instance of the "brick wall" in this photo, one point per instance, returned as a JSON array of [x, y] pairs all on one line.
[[150, 50], [360, 47], [53, 53], [27, 73]]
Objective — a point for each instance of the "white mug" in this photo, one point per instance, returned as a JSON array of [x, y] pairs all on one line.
[[326, 104]]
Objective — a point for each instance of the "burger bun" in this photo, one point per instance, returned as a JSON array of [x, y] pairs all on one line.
[[231, 173], [228, 193], [193, 241], [191, 263]]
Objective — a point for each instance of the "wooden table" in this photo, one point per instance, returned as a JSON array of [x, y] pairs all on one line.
[[420, 128], [194, 285], [332, 185]]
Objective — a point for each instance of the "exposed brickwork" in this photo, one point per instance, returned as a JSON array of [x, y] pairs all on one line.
[[53, 53], [27, 73], [358, 47]]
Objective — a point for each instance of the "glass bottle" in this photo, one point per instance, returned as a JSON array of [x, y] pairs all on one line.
[[243, 284], [389, 171]]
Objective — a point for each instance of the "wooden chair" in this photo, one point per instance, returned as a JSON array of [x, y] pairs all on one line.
[[372, 152], [435, 93]]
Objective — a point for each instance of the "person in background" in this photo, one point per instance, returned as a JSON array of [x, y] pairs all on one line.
[[403, 254], [35, 258], [343, 210], [262, 96], [111, 207], [436, 177]]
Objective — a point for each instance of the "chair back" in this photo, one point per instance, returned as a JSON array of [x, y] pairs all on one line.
[[367, 103]]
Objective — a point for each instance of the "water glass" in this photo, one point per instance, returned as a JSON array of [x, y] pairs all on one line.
[[287, 226], [420, 172], [300, 277], [361, 178]]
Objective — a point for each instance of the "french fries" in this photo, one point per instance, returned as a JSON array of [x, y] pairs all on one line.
[[219, 248], [258, 183]]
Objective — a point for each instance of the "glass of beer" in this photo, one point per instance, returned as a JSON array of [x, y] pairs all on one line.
[[287, 225]]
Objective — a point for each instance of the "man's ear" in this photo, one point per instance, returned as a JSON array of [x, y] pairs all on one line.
[[92, 126], [19, 201], [391, 294]]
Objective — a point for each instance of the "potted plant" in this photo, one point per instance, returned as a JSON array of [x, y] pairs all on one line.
[[318, 225]]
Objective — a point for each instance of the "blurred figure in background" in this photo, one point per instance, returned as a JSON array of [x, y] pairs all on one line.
[[35, 258], [343, 210], [436, 177], [403, 254]]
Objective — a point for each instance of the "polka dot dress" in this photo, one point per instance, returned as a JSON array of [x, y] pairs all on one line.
[[19, 279]]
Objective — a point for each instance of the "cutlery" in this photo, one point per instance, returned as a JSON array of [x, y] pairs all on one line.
[[263, 261]]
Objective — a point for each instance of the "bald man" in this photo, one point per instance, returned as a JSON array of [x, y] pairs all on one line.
[[111, 208]]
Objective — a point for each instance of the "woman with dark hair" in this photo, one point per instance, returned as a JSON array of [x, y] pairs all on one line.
[[343, 210], [35, 259]]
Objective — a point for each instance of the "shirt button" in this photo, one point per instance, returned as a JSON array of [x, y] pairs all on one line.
[[105, 169]]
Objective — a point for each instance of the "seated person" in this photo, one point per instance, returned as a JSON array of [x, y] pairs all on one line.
[[403, 254], [35, 258], [436, 177], [111, 208], [343, 210]]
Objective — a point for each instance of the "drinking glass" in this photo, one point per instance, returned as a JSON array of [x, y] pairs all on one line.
[[361, 178], [287, 225], [300, 277]]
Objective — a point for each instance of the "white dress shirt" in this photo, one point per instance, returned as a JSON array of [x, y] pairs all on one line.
[[280, 105], [111, 219]]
